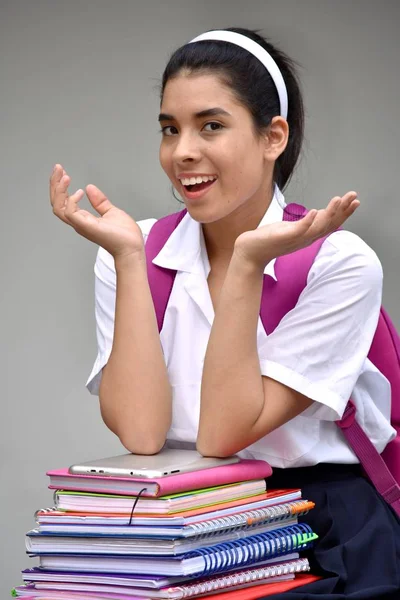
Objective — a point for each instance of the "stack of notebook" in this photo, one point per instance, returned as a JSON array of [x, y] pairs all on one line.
[[172, 538]]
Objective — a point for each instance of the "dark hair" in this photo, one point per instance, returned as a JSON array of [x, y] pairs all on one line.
[[252, 85]]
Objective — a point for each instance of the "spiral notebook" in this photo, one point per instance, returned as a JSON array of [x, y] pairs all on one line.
[[129, 543], [177, 519], [203, 561], [252, 593], [240, 579], [243, 521], [150, 582]]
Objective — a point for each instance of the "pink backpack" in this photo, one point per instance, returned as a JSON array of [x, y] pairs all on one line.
[[292, 271]]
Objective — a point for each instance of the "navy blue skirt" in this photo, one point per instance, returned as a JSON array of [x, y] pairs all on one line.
[[358, 551]]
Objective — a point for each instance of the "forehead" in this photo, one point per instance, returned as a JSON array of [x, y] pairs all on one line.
[[194, 92]]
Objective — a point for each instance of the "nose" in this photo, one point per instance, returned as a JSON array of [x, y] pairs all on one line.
[[187, 148]]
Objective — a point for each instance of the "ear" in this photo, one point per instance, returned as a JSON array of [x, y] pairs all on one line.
[[276, 138]]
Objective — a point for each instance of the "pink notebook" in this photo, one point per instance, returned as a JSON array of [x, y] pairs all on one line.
[[245, 470]]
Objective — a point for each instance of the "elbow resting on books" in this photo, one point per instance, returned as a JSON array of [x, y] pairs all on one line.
[[220, 445], [141, 427], [136, 439], [220, 449], [141, 442], [207, 451]]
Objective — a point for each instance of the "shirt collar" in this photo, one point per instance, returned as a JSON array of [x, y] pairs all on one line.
[[185, 249]]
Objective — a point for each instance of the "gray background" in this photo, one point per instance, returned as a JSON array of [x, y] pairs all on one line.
[[78, 85]]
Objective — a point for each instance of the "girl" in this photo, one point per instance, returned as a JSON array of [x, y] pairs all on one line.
[[232, 127]]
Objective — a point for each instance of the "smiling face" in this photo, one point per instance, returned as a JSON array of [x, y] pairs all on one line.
[[207, 132]]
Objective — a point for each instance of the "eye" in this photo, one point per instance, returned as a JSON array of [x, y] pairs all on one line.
[[164, 130], [212, 123]]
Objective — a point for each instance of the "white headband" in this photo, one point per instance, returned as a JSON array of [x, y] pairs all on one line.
[[259, 52]]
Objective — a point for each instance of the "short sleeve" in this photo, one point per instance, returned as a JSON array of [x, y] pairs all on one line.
[[319, 348], [105, 295]]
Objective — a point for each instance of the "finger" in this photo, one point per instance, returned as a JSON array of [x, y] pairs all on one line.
[[71, 205], [350, 195], [59, 186], [305, 222], [303, 225], [68, 215], [55, 177], [322, 221], [60, 196], [61, 192], [333, 206], [98, 199], [349, 205], [347, 199], [330, 218], [354, 204], [315, 221]]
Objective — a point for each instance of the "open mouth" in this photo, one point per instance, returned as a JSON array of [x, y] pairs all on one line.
[[198, 187]]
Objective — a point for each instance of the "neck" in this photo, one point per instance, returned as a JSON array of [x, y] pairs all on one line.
[[221, 235]]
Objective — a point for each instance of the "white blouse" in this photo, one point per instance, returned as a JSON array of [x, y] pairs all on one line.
[[319, 348]]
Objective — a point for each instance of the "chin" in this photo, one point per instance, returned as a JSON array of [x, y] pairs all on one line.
[[203, 214]]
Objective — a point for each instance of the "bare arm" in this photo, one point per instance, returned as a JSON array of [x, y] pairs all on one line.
[[135, 395], [238, 405]]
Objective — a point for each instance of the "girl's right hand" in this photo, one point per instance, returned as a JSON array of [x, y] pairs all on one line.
[[114, 230]]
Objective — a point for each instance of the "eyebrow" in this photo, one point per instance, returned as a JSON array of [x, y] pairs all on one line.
[[209, 112]]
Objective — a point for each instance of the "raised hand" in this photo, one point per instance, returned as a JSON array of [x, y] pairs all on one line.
[[114, 229], [259, 246]]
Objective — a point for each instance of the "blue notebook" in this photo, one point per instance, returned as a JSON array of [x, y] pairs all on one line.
[[203, 561], [130, 543]]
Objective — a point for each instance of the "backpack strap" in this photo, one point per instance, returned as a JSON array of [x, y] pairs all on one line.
[[281, 296], [385, 355], [383, 470], [370, 459], [161, 279]]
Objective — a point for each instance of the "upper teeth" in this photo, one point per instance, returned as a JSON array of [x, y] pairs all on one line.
[[193, 180]]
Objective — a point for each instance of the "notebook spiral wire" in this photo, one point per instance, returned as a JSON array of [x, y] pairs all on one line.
[[248, 576], [247, 520], [252, 549]]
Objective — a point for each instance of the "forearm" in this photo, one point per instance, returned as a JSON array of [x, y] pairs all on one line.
[[232, 396], [135, 395]]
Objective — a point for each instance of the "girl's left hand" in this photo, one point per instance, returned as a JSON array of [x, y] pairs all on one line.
[[259, 246]]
